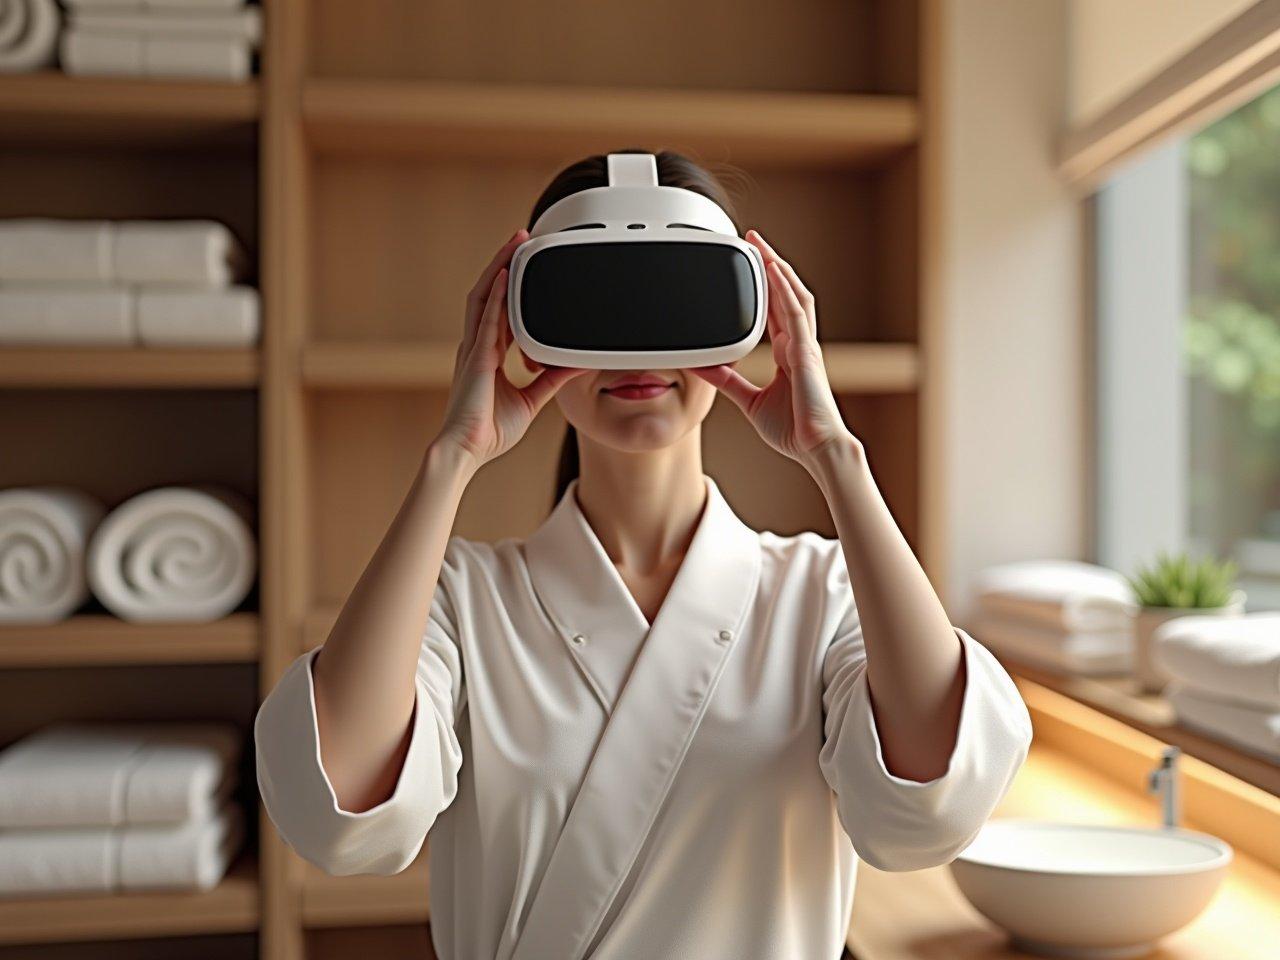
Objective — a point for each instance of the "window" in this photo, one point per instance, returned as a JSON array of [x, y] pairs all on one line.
[[1188, 350]]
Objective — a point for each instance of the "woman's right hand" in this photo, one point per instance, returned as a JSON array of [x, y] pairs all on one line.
[[487, 414]]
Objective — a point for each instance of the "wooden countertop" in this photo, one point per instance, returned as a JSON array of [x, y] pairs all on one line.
[[922, 915]]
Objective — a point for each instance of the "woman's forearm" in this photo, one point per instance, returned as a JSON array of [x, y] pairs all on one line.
[[364, 675], [913, 654]]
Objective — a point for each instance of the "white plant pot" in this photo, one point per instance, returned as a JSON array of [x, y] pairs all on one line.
[[1150, 678]]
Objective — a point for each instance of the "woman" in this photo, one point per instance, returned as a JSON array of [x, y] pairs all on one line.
[[646, 730]]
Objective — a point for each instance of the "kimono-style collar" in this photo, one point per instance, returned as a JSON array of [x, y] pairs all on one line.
[[601, 622]]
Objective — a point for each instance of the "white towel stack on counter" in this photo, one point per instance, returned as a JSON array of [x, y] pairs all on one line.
[[173, 554], [194, 39], [1225, 677], [102, 807], [28, 34], [1062, 615], [159, 283]]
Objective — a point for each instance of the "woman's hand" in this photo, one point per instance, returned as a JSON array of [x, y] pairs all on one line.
[[796, 413], [487, 414]]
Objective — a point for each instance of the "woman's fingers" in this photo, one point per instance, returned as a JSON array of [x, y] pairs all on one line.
[[731, 383], [487, 336], [802, 293], [544, 386], [477, 297]]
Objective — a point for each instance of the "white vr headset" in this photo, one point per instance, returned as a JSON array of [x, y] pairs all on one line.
[[635, 275]]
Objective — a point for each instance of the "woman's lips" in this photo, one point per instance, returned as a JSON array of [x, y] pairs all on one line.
[[645, 392]]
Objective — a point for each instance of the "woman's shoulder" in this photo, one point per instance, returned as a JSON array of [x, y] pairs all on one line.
[[805, 549], [464, 554]]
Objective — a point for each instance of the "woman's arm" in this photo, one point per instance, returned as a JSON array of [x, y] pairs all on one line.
[[364, 675]]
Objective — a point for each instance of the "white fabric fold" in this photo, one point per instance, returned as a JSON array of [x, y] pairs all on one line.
[[85, 53], [28, 34], [900, 824], [31, 315], [1070, 594], [82, 773], [198, 318], [1235, 658], [44, 533], [1255, 729], [1100, 653], [193, 855], [174, 554]]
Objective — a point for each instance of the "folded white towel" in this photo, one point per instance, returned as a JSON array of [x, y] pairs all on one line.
[[44, 534], [107, 55], [44, 250], [116, 773], [244, 24], [193, 855], [1067, 593], [1081, 653], [1236, 658], [161, 6], [174, 554], [28, 34], [1256, 729], [198, 318], [32, 315]]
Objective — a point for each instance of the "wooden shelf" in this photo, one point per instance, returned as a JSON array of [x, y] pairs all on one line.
[[371, 900], [454, 118], [42, 367], [851, 367], [1120, 698], [230, 907], [53, 107], [101, 640]]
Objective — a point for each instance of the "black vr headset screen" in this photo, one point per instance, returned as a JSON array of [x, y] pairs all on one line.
[[654, 295]]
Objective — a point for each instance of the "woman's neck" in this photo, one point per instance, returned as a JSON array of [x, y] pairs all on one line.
[[644, 507]]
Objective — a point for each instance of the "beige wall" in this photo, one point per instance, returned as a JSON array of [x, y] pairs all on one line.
[[1117, 44], [1014, 378]]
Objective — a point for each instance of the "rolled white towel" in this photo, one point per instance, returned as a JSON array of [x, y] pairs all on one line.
[[32, 315], [1100, 653], [49, 250], [174, 554], [198, 318], [28, 34], [44, 534], [1236, 658], [1256, 729], [93, 54], [1074, 595], [244, 24], [160, 6], [193, 855], [117, 773]]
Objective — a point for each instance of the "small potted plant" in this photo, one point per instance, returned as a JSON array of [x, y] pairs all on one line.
[[1175, 585]]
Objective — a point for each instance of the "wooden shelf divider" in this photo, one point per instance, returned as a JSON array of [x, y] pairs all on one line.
[[126, 367], [358, 901], [103, 640], [230, 907], [464, 118]]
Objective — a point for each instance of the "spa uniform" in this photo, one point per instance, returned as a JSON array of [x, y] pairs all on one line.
[[598, 787]]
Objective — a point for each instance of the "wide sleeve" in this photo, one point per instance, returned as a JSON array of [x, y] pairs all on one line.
[[900, 824], [297, 792]]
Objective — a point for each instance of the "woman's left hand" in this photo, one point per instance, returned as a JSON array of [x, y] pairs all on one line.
[[796, 413]]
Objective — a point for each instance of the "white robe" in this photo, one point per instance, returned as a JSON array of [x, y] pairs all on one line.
[[596, 787]]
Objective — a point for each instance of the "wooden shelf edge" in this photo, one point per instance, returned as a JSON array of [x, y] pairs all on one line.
[[230, 907], [357, 901], [102, 640], [462, 117], [126, 367], [851, 367]]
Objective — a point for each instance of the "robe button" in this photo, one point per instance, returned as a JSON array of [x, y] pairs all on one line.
[[579, 639], [725, 636]]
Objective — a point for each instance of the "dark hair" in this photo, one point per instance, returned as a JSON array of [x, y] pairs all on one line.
[[674, 170]]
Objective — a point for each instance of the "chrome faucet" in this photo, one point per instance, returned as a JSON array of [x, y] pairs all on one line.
[[1164, 781]]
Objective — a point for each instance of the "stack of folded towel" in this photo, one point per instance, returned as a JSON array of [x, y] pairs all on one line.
[[1225, 677], [28, 34], [149, 282], [1062, 615], [176, 554], [102, 807], [197, 39]]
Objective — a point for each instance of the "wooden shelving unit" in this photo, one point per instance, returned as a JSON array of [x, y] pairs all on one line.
[[127, 367], [100, 640], [230, 907], [384, 153]]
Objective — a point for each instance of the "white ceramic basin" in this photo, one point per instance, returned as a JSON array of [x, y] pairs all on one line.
[[1080, 890]]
